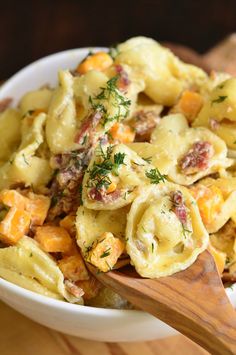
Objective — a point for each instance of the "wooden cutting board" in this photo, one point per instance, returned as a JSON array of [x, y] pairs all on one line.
[[21, 336]]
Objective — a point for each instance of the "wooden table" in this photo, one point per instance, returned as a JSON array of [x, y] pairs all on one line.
[[21, 336]]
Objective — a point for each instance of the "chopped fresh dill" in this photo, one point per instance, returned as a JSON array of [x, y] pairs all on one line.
[[219, 99], [101, 240], [109, 266], [118, 160], [28, 113], [99, 174], [55, 172], [106, 253], [80, 195], [185, 230], [54, 201], [85, 138], [133, 162], [118, 101], [148, 160], [89, 248], [26, 162], [155, 176]]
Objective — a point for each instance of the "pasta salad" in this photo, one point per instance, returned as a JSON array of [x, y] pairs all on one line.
[[130, 159]]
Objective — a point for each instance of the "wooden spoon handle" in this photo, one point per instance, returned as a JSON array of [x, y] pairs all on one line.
[[192, 301]]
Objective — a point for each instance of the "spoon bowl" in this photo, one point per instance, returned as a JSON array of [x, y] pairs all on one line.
[[192, 301]]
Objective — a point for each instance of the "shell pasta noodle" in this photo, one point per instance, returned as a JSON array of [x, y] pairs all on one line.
[[164, 231], [128, 160]]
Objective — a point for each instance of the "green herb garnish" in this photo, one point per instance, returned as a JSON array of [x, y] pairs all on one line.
[[118, 160], [148, 160], [155, 176], [26, 162], [219, 100], [185, 230], [28, 113], [80, 195], [152, 247], [111, 92], [105, 253], [54, 201], [99, 174], [85, 138]]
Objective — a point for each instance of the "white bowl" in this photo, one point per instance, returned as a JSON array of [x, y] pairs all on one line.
[[86, 322]]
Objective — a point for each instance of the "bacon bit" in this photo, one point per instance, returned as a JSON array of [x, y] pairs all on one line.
[[5, 103], [86, 132], [143, 123], [95, 194], [103, 196], [197, 158], [65, 187], [179, 206], [213, 124], [73, 289], [123, 81]]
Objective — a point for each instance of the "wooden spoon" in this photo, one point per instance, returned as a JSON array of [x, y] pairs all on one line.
[[192, 301]]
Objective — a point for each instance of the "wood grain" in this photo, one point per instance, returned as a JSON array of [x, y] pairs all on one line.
[[21, 336], [192, 301]]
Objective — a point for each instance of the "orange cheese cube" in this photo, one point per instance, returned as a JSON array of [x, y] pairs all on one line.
[[98, 61], [122, 133], [53, 239], [209, 201], [68, 223], [190, 104], [14, 226], [73, 268], [37, 206], [12, 198], [106, 252]]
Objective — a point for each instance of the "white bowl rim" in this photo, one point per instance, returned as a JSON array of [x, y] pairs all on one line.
[[45, 300], [20, 72]]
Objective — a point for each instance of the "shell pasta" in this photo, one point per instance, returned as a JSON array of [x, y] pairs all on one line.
[[128, 160], [164, 231]]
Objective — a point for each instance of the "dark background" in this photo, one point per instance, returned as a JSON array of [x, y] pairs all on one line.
[[32, 29]]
